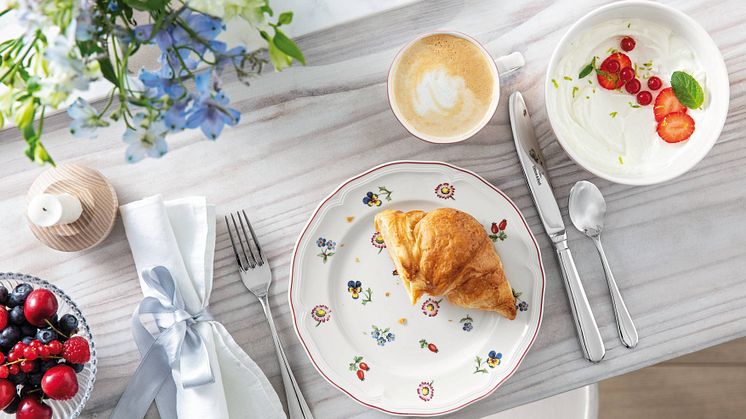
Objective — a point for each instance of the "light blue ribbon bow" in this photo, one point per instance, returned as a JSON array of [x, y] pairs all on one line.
[[176, 346]]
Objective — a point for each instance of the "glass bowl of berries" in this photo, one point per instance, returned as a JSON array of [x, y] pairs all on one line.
[[47, 355]]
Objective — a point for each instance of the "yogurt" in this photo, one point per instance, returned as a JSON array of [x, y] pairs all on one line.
[[607, 127]]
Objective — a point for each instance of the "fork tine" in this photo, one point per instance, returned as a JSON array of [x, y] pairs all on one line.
[[256, 241], [249, 260], [255, 261], [233, 243]]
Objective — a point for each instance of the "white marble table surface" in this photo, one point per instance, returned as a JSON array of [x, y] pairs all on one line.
[[678, 249]]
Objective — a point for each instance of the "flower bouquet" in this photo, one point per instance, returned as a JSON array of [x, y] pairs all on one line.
[[67, 44]]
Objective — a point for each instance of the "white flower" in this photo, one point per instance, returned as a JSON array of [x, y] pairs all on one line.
[[146, 139], [65, 72], [85, 119]]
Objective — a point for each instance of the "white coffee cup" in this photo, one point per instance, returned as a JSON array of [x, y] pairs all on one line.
[[497, 67]]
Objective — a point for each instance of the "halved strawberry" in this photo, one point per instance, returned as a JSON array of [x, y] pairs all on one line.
[[610, 79], [667, 103], [676, 127]]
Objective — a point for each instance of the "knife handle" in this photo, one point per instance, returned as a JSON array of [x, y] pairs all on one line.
[[585, 322]]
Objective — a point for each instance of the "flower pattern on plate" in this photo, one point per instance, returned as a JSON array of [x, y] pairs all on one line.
[[521, 305], [359, 367], [377, 241], [429, 345], [498, 231], [327, 248], [382, 336], [467, 323], [321, 313], [425, 391], [493, 359], [372, 199], [355, 288], [430, 307], [445, 191]]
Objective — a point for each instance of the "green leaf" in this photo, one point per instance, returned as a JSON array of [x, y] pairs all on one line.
[[587, 69], [286, 45], [107, 69], [687, 90], [285, 18], [266, 9], [147, 5]]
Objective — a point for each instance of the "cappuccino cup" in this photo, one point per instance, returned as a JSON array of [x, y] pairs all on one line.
[[444, 87]]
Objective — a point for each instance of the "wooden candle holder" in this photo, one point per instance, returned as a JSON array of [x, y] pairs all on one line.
[[97, 197]]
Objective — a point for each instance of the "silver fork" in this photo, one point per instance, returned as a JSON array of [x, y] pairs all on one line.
[[256, 276]]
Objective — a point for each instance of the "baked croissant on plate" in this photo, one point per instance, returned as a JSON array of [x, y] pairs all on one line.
[[446, 252]]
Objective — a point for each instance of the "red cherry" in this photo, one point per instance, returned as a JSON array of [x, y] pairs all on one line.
[[40, 306], [627, 44], [60, 382], [361, 375], [654, 83], [364, 366], [644, 98], [27, 366], [4, 373], [627, 74], [7, 393], [36, 344], [14, 355], [19, 347], [31, 407], [633, 86], [3, 317], [13, 369]]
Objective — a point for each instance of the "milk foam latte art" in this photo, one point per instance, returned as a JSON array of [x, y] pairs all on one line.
[[605, 126], [443, 86]]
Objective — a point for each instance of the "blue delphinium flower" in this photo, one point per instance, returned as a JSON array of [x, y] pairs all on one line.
[[85, 119], [146, 138]]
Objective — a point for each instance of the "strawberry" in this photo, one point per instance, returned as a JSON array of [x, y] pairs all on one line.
[[361, 375], [608, 74], [667, 103], [76, 350], [676, 127], [364, 366]]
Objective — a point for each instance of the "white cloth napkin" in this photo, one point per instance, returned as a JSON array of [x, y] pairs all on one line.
[[180, 235]]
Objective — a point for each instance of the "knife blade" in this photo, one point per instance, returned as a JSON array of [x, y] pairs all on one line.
[[534, 169]]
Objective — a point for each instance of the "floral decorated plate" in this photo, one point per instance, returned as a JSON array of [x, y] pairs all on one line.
[[352, 313]]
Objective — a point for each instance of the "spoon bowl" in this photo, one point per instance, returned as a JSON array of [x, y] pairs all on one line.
[[587, 208]]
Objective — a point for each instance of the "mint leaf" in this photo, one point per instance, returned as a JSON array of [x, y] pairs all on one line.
[[587, 69], [687, 90]]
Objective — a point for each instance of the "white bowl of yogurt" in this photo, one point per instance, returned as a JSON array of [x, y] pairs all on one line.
[[606, 131]]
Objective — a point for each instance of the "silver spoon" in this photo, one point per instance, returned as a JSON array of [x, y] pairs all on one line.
[[587, 210]]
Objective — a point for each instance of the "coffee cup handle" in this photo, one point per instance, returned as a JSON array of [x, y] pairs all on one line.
[[509, 63]]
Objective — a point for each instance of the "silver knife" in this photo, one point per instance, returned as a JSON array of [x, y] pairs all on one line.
[[532, 162]]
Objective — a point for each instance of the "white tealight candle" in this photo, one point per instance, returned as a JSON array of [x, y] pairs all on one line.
[[46, 210]]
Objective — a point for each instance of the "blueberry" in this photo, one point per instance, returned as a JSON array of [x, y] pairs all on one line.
[[3, 294], [11, 334], [23, 290], [16, 315], [18, 378], [27, 340], [47, 364], [27, 329], [5, 343], [68, 324], [13, 406], [46, 335], [78, 368], [35, 379]]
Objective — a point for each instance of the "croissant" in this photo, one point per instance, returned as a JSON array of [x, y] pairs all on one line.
[[446, 252]]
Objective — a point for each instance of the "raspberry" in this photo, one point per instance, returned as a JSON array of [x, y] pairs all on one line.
[[76, 350]]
